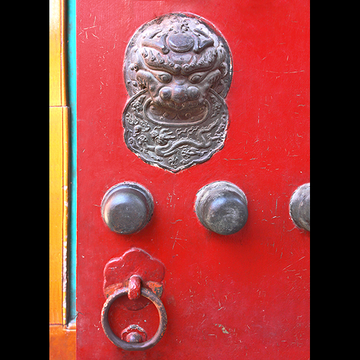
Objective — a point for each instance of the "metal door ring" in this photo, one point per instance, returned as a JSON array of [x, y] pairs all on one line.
[[134, 346]]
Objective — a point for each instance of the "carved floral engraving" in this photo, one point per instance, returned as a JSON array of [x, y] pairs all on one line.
[[177, 71]]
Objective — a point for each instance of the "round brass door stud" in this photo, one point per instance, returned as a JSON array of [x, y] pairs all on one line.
[[127, 207], [221, 207], [300, 207]]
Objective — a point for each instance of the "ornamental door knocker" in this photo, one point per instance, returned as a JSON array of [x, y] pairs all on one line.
[[177, 70]]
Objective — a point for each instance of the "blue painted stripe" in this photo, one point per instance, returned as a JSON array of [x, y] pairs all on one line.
[[72, 229]]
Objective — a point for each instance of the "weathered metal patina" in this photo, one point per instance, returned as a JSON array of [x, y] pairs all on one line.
[[177, 70], [222, 207], [126, 208], [299, 208], [139, 276], [135, 342]]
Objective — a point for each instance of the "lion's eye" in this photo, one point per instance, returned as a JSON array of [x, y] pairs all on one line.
[[164, 78], [196, 78]]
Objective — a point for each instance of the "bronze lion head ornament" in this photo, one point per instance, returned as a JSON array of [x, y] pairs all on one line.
[[177, 71]]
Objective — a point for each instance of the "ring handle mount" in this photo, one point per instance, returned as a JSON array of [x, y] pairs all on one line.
[[133, 346]]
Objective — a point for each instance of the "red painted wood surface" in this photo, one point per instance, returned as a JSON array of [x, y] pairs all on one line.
[[227, 297]]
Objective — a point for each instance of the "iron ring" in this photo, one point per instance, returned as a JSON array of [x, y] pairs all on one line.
[[134, 346]]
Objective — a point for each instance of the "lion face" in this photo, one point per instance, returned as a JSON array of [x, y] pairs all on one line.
[[177, 63]]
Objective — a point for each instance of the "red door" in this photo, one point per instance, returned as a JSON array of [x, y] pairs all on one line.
[[236, 296]]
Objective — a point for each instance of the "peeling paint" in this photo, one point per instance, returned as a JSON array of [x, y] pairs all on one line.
[[223, 329]]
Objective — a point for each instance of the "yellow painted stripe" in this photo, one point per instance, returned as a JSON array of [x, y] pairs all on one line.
[[57, 70], [58, 127]]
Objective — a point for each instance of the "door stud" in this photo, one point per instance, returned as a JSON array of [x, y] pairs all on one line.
[[126, 208], [221, 207]]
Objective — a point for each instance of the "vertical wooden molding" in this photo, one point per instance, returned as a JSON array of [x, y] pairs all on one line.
[[56, 212], [57, 68], [61, 336]]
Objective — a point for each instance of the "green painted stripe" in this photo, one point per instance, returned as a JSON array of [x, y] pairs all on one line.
[[71, 68]]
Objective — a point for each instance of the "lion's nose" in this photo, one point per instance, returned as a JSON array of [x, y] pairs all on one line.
[[165, 93], [193, 92], [180, 94]]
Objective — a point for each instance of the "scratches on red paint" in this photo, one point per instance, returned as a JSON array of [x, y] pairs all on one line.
[[281, 72], [286, 267], [177, 238], [175, 221]]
